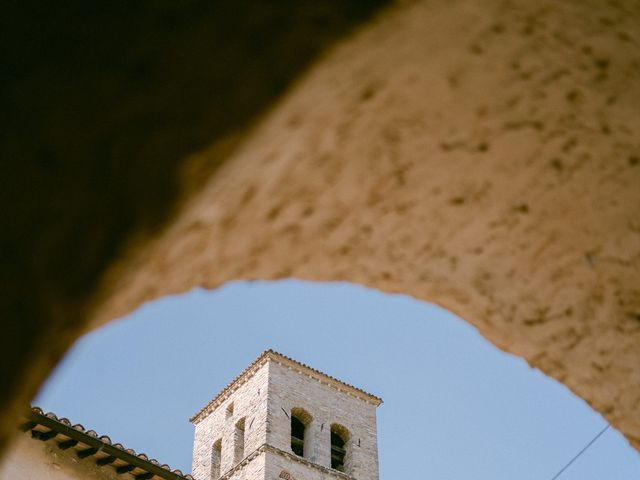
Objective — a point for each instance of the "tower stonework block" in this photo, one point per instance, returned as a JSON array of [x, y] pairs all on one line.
[[281, 419]]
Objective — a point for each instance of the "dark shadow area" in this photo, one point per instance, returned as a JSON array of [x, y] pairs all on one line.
[[297, 436]]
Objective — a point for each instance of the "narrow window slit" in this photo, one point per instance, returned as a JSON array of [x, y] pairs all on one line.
[[216, 457], [300, 437], [339, 454], [297, 436], [239, 441]]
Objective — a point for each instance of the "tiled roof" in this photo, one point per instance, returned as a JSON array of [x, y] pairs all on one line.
[[279, 357], [88, 445]]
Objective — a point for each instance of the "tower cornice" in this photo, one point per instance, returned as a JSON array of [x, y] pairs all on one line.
[[271, 355]]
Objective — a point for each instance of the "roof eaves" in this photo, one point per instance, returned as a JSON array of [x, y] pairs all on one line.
[[229, 388], [256, 364], [78, 434], [376, 400]]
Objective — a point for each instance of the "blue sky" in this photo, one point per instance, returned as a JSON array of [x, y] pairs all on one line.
[[455, 406]]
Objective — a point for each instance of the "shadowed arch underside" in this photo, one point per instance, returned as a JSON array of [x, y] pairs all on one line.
[[478, 156]]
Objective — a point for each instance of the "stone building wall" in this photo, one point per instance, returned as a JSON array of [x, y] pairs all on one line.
[[266, 395], [252, 470], [28, 459], [249, 402], [281, 468], [289, 389]]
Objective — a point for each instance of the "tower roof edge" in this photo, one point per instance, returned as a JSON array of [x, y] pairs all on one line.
[[271, 354]]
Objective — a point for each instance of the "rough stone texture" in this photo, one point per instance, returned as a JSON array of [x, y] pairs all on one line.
[[478, 155], [289, 389], [278, 466], [249, 402], [32, 459], [253, 470], [265, 396]]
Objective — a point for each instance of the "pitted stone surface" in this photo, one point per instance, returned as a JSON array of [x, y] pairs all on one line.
[[478, 156]]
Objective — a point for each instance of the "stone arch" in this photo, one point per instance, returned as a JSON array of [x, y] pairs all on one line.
[[305, 417], [468, 178]]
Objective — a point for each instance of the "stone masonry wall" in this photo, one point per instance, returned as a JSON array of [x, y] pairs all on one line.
[[249, 402], [289, 389], [253, 470], [32, 459], [279, 467]]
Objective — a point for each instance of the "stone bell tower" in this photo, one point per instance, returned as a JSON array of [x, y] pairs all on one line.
[[283, 419]]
